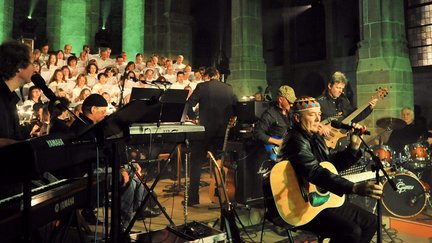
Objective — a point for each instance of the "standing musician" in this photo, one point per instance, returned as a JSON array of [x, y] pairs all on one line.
[[276, 120], [305, 149], [217, 104], [16, 69], [334, 102]]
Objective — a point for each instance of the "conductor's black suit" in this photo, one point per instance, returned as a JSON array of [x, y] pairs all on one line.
[[216, 106]]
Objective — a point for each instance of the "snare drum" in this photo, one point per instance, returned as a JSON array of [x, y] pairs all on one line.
[[409, 199], [383, 152]]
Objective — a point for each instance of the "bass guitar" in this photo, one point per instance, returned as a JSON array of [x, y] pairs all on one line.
[[336, 134], [289, 205], [228, 173], [272, 150]]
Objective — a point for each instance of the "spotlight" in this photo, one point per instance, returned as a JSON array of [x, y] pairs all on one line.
[[103, 27], [29, 17]]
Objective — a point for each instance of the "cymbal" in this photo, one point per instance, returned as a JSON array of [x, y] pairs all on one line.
[[390, 123]]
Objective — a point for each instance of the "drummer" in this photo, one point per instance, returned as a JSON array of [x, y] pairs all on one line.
[[410, 133]]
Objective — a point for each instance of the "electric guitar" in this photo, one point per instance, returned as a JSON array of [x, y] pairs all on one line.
[[336, 134], [272, 150], [286, 201]]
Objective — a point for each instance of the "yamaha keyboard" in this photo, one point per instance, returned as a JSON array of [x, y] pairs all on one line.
[[56, 200], [142, 133], [35, 156]]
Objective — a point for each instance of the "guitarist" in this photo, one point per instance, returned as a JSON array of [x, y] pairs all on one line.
[[334, 102], [276, 120], [305, 149]]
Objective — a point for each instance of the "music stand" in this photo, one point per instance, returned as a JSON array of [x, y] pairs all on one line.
[[113, 130], [172, 107], [145, 94]]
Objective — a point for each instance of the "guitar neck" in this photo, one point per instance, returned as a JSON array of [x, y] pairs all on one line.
[[349, 118]]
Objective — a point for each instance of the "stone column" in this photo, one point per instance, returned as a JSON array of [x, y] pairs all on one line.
[[177, 26], [72, 22], [6, 19], [247, 67], [133, 27], [383, 58]]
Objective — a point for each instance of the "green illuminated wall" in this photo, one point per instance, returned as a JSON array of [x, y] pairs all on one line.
[[248, 70], [73, 21], [6, 17], [133, 27], [383, 57]]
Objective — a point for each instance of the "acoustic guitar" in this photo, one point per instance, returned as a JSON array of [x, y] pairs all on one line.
[[336, 134], [228, 173], [228, 214], [285, 199]]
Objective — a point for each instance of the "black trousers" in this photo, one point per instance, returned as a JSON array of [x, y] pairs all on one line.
[[198, 158], [348, 223]]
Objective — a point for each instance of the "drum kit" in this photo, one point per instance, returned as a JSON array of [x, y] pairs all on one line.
[[412, 193]]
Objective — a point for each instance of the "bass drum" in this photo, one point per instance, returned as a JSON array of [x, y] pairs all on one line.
[[408, 200]]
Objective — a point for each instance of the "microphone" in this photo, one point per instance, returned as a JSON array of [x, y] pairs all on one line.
[[338, 124], [41, 84]]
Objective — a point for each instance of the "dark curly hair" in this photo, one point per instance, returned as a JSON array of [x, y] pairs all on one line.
[[13, 55]]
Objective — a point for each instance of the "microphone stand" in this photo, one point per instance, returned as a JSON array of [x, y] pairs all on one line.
[[121, 90], [377, 167]]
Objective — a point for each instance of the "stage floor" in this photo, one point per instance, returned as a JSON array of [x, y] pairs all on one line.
[[208, 214]]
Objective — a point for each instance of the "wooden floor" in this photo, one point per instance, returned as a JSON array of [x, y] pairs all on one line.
[[207, 214]]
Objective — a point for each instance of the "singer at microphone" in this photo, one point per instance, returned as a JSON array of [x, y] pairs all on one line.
[[340, 125]]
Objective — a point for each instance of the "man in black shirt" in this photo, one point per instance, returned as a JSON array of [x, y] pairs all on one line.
[[217, 103], [411, 133], [276, 120], [334, 103], [16, 69]]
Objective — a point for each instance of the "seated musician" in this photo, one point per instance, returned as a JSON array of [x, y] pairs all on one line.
[[59, 116], [411, 133], [334, 103], [93, 111], [305, 149], [276, 120]]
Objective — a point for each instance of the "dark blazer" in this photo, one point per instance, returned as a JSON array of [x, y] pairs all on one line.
[[217, 103]]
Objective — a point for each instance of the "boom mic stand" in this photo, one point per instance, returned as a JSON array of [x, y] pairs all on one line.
[[377, 167]]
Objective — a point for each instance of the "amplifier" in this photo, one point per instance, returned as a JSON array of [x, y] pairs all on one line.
[[249, 156], [250, 111], [194, 232]]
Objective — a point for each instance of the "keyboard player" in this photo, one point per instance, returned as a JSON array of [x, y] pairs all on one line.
[[16, 69]]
